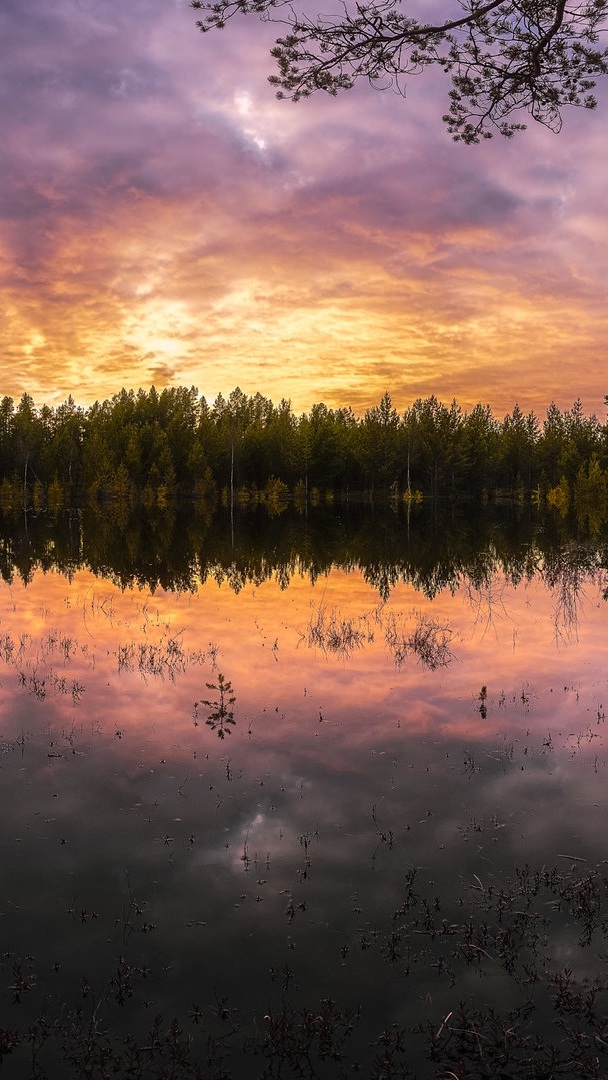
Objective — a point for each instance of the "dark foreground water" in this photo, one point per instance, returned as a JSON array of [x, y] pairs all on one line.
[[286, 823]]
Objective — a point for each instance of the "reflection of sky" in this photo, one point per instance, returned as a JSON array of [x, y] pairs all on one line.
[[285, 844]]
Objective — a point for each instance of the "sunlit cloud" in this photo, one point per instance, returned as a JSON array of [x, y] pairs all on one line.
[[165, 218]]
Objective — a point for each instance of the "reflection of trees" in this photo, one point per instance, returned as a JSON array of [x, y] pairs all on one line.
[[486, 598], [432, 553], [567, 572]]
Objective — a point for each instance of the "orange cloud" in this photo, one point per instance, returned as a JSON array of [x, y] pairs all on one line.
[[161, 224]]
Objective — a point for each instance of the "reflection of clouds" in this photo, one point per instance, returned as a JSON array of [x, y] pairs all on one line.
[[284, 853], [255, 842]]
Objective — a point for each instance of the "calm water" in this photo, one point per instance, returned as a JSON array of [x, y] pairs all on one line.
[[406, 811]]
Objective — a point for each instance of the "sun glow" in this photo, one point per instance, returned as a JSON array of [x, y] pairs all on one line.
[[202, 230]]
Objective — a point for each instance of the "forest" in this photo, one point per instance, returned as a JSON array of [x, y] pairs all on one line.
[[158, 449]]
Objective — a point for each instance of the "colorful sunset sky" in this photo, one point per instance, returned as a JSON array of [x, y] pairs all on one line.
[[166, 221]]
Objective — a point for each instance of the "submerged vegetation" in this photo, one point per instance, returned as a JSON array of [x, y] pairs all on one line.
[[540, 1019], [512, 957], [155, 449]]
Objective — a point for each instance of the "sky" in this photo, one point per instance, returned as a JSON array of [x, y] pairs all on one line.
[[165, 221]]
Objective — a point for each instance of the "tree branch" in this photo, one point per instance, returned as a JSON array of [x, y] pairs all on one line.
[[503, 56]]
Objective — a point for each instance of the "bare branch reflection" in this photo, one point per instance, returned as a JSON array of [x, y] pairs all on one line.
[[486, 600]]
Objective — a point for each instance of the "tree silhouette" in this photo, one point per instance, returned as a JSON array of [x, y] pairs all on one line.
[[502, 57]]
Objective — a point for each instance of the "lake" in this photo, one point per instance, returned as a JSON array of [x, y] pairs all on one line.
[[322, 796]]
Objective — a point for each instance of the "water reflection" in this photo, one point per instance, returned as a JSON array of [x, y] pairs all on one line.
[[375, 855], [221, 717], [428, 550]]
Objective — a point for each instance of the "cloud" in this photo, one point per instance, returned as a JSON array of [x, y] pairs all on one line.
[[159, 202]]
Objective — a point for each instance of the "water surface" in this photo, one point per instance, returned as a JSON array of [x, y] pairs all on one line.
[[248, 797]]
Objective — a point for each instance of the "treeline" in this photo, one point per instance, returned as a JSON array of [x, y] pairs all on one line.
[[158, 448]]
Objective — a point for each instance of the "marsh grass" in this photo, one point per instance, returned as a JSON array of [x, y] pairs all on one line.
[[41, 662], [427, 639], [530, 1017], [164, 659], [418, 635], [330, 632]]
